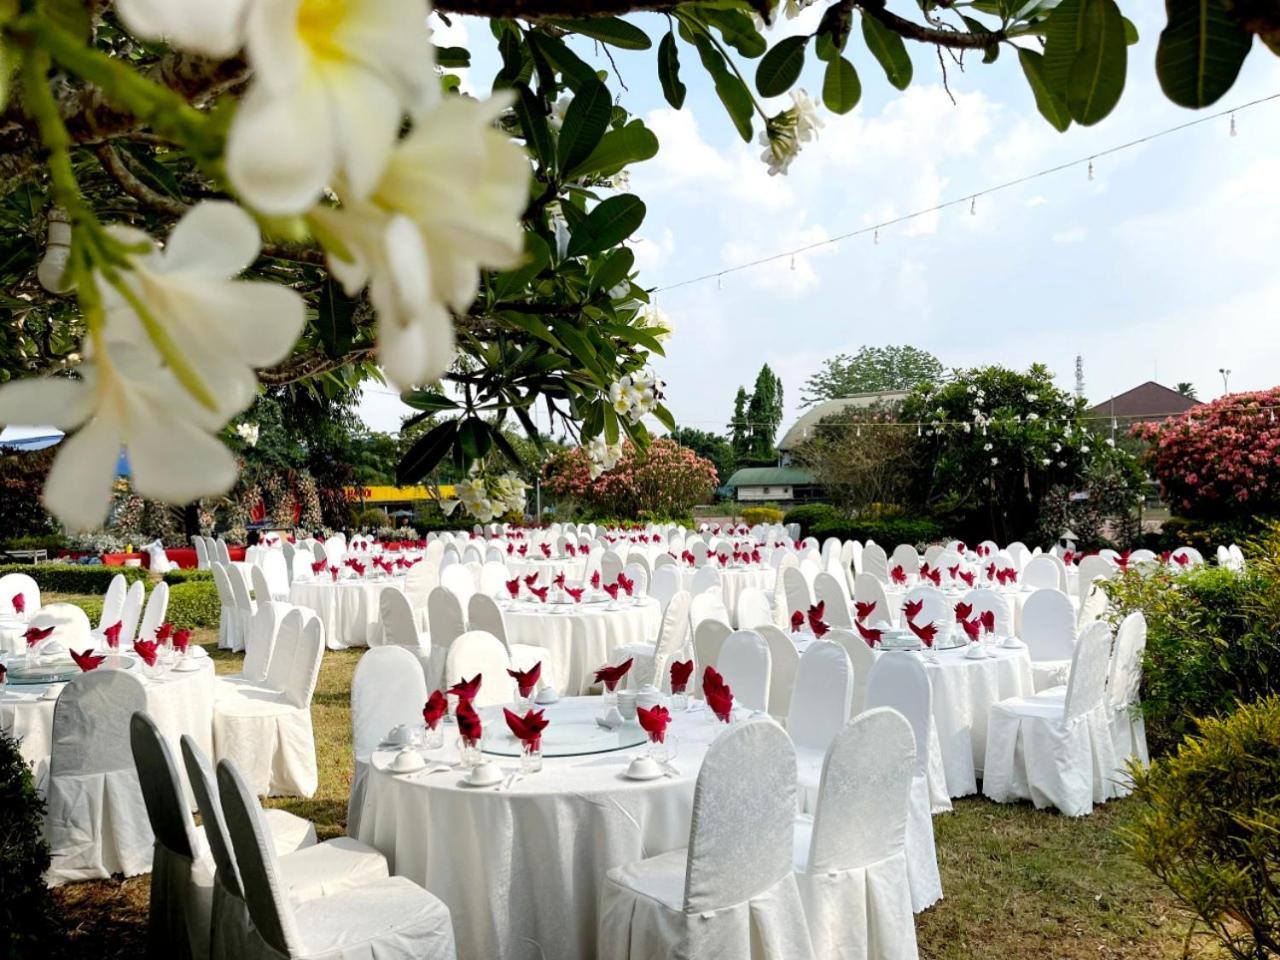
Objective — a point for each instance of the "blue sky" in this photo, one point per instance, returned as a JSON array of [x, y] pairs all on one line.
[[1161, 266]]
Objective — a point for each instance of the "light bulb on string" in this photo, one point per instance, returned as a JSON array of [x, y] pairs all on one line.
[[919, 431], [876, 238], [719, 281], [1233, 124], [793, 261], [1091, 170], [973, 206]]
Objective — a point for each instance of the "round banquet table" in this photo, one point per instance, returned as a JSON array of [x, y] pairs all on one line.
[[733, 580], [522, 867], [1015, 599], [573, 568], [582, 637], [347, 608], [179, 702]]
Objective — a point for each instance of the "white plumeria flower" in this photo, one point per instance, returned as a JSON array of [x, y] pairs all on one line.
[[1110, 442], [1032, 397], [1032, 417], [332, 82], [603, 456], [655, 316], [248, 432], [784, 133], [986, 446], [1045, 462], [222, 327], [794, 8], [1084, 449], [125, 398], [214, 28], [447, 205]]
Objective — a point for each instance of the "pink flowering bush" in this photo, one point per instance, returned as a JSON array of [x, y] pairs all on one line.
[[1220, 458], [667, 480]]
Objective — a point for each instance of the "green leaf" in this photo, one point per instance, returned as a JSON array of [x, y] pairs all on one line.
[[1130, 32], [506, 449], [840, 87], [533, 121], [733, 93], [1048, 103], [512, 282], [424, 455], [1061, 42], [610, 30], [887, 47], [584, 123], [664, 417], [453, 57], [554, 52], [474, 438], [631, 144], [738, 30], [610, 425], [608, 224], [669, 71], [428, 401], [71, 15], [613, 269], [1096, 78], [781, 66], [335, 314], [1200, 51], [634, 335]]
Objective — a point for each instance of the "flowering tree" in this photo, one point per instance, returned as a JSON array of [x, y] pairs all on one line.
[[334, 210], [664, 480], [1220, 457]]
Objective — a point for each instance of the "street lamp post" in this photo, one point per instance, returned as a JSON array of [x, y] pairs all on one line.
[[1226, 374]]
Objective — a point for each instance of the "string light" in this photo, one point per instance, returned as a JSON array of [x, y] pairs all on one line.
[[876, 238], [719, 281], [973, 206], [793, 261], [1090, 169], [1233, 124]]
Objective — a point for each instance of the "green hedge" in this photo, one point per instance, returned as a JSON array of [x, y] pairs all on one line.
[[888, 532], [754, 515], [1207, 535], [26, 908], [73, 577], [92, 607], [811, 514], [194, 604], [188, 576]]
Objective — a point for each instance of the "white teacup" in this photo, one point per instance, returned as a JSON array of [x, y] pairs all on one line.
[[627, 704], [484, 773], [644, 768], [401, 735], [407, 759]]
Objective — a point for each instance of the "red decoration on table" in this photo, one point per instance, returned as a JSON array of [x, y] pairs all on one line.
[[35, 634], [164, 632], [968, 577], [933, 576], [681, 671], [626, 583], [595, 580], [19, 603], [1181, 559], [653, 721], [718, 695], [575, 592], [898, 575], [511, 548], [546, 550], [960, 547], [964, 610], [1165, 555], [182, 640], [912, 608], [973, 628], [868, 634], [1069, 557], [612, 590], [466, 689], [358, 567], [436, 707], [863, 610], [610, 676], [688, 557], [954, 572], [526, 680], [816, 623], [540, 593], [991, 571], [797, 621], [925, 633], [1007, 576], [528, 729], [88, 660], [146, 649], [724, 560], [523, 549], [531, 581], [570, 549], [513, 587], [988, 618], [112, 634], [469, 727], [558, 580], [333, 573]]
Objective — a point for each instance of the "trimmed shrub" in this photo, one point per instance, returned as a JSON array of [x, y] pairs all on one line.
[[371, 517], [1208, 825], [1207, 535], [26, 909], [188, 576], [75, 578], [886, 531], [194, 604], [754, 515], [52, 542], [810, 514]]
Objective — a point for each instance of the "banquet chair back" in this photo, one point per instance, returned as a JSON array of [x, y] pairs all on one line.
[[493, 574], [745, 664], [1093, 607], [201, 777], [1125, 677], [287, 552], [707, 606], [157, 609], [419, 581], [638, 558], [335, 549], [202, 552], [754, 609], [821, 693], [444, 614], [261, 589], [113, 601], [387, 689], [457, 579], [472, 554], [221, 552], [1040, 572], [708, 639], [295, 661], [899, 680], [479, 652], [796, 587], [827, 591], [698, 547], [1086, 685], [484, 614], [665, 583], [1091, 569], [784, 661], [240, 584], [868, 588], [227, 622], [276, 569], [399, 626], [639, 575], [936, 610], [705, 579], [134, 597], [666, 560], [743, 814], [983, 599], [932, 555], [874, 562], [251, 554], [610, 566], [1019, 553], [904, 555], [97, 820], [70, 625], [1049, 625], [673, 636], [861, 659], [318, 553], [264, 629]]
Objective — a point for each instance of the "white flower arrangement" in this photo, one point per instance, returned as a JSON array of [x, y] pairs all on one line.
[[635, 395]]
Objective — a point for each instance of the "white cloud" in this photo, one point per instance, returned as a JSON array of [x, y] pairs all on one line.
[[1073, 235], [790, 275], [653, 252]]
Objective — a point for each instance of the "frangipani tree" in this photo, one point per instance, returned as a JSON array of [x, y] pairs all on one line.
[[333, 210]]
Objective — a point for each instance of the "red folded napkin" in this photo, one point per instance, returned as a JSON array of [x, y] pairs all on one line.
[[964, 611], [653, 721], [991, 571], [612, 590], [1165, 556], [912, 608], [925, 633], [681, 670], [333, 572], [610, 676], [513, 587], [898, 575], [960, 547], [19, 603], [540, 592], [570, 549], [1069, 557], [968, 577], [595, 580], [531, 581], [511, 548], [954, 572], [528, 729], [358, 567], [546, 550], [797, 621], [1181, 559], [871, 636], [112, 634], [35, 634], [1007, 576], [164, 632], [627, 584], [934, 576], [575, 592], [863, 610], [925, 571], [526, 680], [755, 556], [718, 695], [558, 580], [688, 557], [973, 628], [383, 565], [436, 707], [469, 727], [523, 550], [466, 689], [988, 618], [182, 640], [87, 661], [724, 561], [146, 649], [816, 623]]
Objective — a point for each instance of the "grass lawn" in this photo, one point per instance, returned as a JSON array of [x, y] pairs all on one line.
[[1019, 883]]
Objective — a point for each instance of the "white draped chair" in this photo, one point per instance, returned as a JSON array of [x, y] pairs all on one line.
[[905, 556], [388, 918], [637, 573], [483, 653], [732, 893], [850, 856], [97, 821], [264, 629], [784, 661], [483, 613], [983, 599], [819, 709], [202, 552], [796, 588], [708, 637], [899, 681], [493, 574], [230, 628], [131, 611], [1128, 731], [153, 616], [1094, 606], [1055, 748], [458, 580], [266, 730], [705, 580], [445, 615], [13, 584], [222, 551], [112, 604], [936, 610], [245, 606], [387, 689], [400, 628], [827, 591], [422, 578], [745, 664], [1091, 569], [70, 626], [1049, 631], [862, 658], [755, 609], [1041, 572], [868, 588], [276, 573], [651, 659], [708, 605], [665, 583], [610, 566]]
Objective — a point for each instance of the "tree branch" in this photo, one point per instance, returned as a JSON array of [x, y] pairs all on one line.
[[910, 30], [134, 187], [535, 9], [310, 364]]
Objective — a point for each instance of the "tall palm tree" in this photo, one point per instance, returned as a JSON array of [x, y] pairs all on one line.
[[1188, 390]]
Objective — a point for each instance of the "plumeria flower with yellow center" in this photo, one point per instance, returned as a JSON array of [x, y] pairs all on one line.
[[447, 205], [332, 82]]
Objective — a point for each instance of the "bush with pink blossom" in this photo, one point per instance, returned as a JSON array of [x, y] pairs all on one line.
[[665, 481]]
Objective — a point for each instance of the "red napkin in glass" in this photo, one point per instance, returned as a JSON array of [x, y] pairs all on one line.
[[954, 572], [988, 618], [333, 572], [558, 580], [973, 628], [358, 567], [540, 593], [436, 707], [898, 575], [19, 603], [816, 623], [1165, 556], [612, 590], [528, 728], [912, 608], [934, 576], [1069, 557], [523, 550], [688, 558], [755, 556], [87, 661], [575, 592], [653, 721], [531, 580], [797, 621], [466, 689], [164, 632], [182, 640], [718, 695], [35, 634], [595, 580], [526, 680], [991, 571], [964, 611], [871, 636], [723, 559], [925, 633], [146, 649], [960, 547], [570, 549], [626, 583], [112, 634], [967, 577], [863, 610], [610, 676], [511, 548], [469, 727], [925, 571], [681, 671], [513, 587]]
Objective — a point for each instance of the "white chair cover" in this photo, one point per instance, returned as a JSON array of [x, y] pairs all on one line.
[[97, 821], [276, 571], [245, 607], [650, 660], [400, 627], [705, 579], [983, 599], [1094, 606], [202, 552], [828, 591], [230, 629], [610, 566], [444, 613], [905, 556], [708, 638], [754, 609], [154, 615], [483, 653], [131, 611], [12, 584], [784, 661], [818, 710], [850, 858], [493, 574], [1128, 731], [732, 893], [796, 587], [422, 578], [744, 663], [936, 610], [870, 589], [223, 553], [1091, 569], [665, 583], [1041, 572], [458, 580], [112, 602], [70, 627], [862, 658], [708, 605], [1049, 631]]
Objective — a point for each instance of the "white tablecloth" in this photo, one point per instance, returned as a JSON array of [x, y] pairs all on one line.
[[179, 702], [581, 639], [573, 568], [522, 869], [733, 582], [348, 608], [1014, 598]]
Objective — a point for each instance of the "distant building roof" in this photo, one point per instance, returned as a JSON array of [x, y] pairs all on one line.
[[1146, 401], [802, 429], [770, 477]]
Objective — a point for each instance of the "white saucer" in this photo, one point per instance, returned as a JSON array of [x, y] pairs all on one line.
[[393, 769], [468, 782], [1012, 643], [631, 776], [186, 666]]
